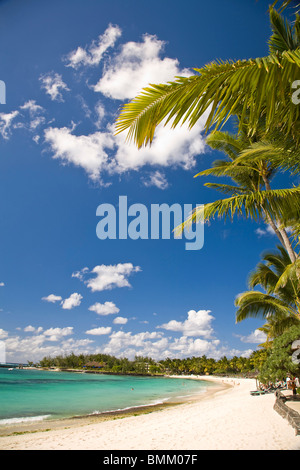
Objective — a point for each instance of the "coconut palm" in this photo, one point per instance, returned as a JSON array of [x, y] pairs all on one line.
[[280, 303], [251, 195], [257, 88]]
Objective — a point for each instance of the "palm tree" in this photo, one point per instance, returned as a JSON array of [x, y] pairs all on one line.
[[280, 304], [257, 88], [251, 195]]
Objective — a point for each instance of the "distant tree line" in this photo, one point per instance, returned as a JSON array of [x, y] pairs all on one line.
[[270, 362], [146, 365]]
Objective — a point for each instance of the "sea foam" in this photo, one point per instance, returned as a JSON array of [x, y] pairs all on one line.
[[23, 419]]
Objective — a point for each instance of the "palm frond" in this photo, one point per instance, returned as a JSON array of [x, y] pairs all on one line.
[[277, 203], [290, 274], [270, 152], [260, 87], [227, 188], [283, 37], [253, 304]]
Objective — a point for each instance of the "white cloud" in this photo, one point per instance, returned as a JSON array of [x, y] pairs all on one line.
[[157, 346], [111, 276], [102, 153], [55, 342], [170, 148], [99, 331], [32, 329], [52, 298], [120, 321], [122, 341], [3, 334], [125, 72], [2, 284], [93, 54], [73, 301], [192, 347], [157, 179], [55, 334], [86, 151], [107, 308], [6, 123], [54, 85], [137, 65], [80, 274], [268, 230], [32, 107], [256, 337], [100, 113], [197, 324]]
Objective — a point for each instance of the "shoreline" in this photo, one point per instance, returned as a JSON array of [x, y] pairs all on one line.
[[27, 427], [228, 417]]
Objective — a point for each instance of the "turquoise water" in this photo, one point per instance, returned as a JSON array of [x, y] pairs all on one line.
[[29, 395]]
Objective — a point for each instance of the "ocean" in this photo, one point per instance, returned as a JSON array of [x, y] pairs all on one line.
[[35, 395]]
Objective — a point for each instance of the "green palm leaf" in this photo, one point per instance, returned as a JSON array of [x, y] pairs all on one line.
[[255, 304], [254, 88], [254, 205]]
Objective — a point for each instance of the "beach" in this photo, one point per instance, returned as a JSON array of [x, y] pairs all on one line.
[[227, 417]]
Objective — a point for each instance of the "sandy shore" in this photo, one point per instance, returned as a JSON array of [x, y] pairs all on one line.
[[227, 418]]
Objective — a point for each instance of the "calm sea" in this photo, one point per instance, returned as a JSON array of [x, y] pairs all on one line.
[[32, 395]]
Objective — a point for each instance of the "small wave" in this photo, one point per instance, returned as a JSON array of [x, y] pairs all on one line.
[[23, 419], [133, 407]]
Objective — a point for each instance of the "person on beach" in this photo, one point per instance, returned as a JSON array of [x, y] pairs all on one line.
[[293, 386]]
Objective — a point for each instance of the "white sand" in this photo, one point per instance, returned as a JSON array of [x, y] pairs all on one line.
[[230, 419]]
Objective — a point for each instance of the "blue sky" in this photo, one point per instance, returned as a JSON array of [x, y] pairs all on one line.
[[69, 66]]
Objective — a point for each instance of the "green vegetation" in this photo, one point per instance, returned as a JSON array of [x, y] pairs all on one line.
[[147, 366], [278, 362], [103, 363]]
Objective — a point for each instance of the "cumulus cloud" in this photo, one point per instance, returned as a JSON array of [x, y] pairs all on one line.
[[268, 231], [54, 342], [53, 85], [111, 276], [192, 347], [129, 68], [32, 107], [196, 324], [73, 301], [92, 54], [103, 153], [80, 274], [99, 331], [107, 308], [256, 337], [157, 179], [120, 321], [137, 65], [6, 120], [170, 148], [52, 298], [55, 334], [157, 346], [32, 329], [124, 342], [89, 152], [3, 333]]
